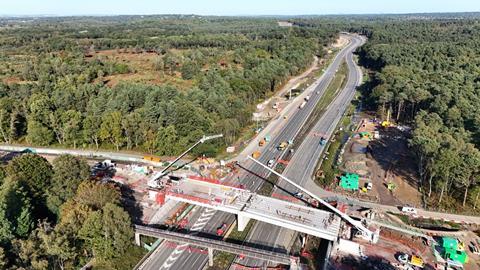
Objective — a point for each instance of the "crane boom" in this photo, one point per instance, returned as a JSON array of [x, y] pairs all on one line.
[[153, 182], [371, 236]]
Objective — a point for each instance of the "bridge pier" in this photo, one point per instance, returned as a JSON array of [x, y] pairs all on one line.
[[242, 222], [210, 256], [137, 239]]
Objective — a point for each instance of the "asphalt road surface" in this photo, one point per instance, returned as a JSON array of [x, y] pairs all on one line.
[[301, 167], [165, 257]]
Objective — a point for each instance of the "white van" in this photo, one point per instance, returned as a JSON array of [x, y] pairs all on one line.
[[409, 210]]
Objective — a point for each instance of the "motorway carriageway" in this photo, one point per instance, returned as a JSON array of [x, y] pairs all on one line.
[[302, 165], [209, 221]]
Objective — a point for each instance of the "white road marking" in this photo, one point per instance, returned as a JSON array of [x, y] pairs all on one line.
[[197, 226]]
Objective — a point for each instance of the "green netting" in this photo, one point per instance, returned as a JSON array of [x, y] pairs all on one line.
[[349, 181], [456, 255], [450, 243]]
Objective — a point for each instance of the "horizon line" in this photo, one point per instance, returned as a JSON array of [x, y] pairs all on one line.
[[231, 15]]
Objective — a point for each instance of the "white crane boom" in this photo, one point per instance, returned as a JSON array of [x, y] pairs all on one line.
[[371, 236]]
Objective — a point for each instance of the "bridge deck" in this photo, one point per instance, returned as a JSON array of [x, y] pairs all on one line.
[[266, 209], [215, 244]]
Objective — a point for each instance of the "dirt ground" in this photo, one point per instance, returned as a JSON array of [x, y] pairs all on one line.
[[341, 42], [380, 161], [141, 67]]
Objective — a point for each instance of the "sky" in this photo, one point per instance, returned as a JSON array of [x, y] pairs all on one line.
[[229, 7]]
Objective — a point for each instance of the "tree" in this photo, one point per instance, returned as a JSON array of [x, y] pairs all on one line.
[[111, 129], [3, 259], [108, 232], [166, 140], [39, 120], [189, 70], [30, 254], [5, 116], [38, 133], [68, 172], [34, 172], [91, 129], [58, 245], [96, 195], [469, 169], [15, 212], [132, 124], [71, 126]]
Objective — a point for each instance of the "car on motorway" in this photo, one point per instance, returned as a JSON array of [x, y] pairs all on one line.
[[221, 229], [323, 141], [302, 105], [282, 146], [262, 142], [270, 163]]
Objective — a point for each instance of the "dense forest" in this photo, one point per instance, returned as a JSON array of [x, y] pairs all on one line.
[[427, 75], [154, 83], [53, 217]]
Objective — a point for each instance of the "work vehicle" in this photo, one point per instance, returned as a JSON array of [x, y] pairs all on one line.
[[221, 229], [369, 185], [307, 98], [302, 105], [411, 260], [261, 142], [473, 248], [323, 141], [403, 258], [282, 146], [271, 162], [409, 210]]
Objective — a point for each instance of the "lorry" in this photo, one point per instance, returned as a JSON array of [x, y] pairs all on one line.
[[302, 105], [221, 229], [282, 146]]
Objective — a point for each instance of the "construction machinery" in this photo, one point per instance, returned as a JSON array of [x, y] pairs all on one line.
[[154, 181], [363, 231]]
